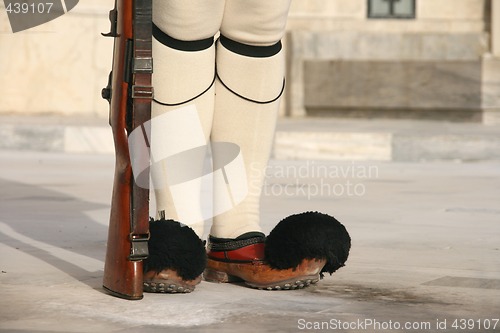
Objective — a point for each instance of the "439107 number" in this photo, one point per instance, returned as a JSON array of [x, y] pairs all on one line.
[[475, 324], [29, 8]]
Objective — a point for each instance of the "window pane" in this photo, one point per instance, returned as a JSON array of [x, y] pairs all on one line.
[[379, 8], [391, 8], [404, 8]]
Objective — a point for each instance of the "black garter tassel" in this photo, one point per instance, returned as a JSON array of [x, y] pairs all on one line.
[[309, 235]]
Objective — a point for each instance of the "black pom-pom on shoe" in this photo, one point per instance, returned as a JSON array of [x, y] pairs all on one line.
[[177, 247], [309, 235]]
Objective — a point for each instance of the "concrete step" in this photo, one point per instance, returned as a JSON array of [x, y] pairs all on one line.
[[296, 139]]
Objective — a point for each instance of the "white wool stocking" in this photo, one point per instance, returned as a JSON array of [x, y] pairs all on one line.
[[246, 101], [181, 73], [251, 68]]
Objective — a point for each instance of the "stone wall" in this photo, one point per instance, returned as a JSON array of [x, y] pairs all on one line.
[[344, 63], [401, 86], [337, 59], [58, 67]]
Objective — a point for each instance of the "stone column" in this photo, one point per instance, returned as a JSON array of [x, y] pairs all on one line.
[[495, 28], [491, 71]]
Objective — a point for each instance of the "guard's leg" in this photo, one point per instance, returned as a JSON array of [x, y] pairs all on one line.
[[184, 72], [250, 65], [251, 69]]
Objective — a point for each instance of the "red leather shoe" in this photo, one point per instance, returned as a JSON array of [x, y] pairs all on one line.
[[295, 254], [242, 259]]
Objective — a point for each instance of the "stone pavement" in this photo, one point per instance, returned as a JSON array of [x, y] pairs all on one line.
[[425, 250]]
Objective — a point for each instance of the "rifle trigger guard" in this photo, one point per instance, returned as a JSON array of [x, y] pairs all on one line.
[[139, 249], [107, 91]]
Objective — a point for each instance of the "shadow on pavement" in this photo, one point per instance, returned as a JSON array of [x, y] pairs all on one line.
[[54, 228]]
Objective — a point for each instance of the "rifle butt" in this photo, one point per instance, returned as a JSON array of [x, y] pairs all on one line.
[[123, 270], [122, 277]]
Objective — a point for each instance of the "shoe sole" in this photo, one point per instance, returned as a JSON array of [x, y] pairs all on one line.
[[288, 285], [301, 282], [165, 287]]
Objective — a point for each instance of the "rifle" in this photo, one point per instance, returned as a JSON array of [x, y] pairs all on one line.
[[129, 93]]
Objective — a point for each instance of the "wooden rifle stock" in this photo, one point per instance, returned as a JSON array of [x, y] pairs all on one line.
[[130, 94]]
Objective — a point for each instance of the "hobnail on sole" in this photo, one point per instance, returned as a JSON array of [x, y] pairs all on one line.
[[297, 283], [165, 288]]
